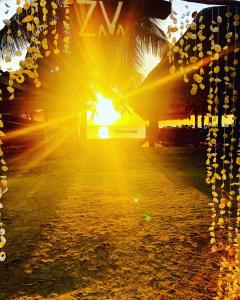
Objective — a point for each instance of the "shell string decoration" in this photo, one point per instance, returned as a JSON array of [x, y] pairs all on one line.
[[3, 190], [212, 175], [33, 24], [9, 49], [228, 287], [53, 23], [226, 104], [223, 154], [172, 28], [34, 54], [35, 42], [44, 26], [229, 282], [197, 78], [66, 29]]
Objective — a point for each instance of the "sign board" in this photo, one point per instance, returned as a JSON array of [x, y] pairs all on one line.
[[108, 18]]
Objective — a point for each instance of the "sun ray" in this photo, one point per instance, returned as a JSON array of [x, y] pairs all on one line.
[[171, 77], [33, 128], [48, 150]]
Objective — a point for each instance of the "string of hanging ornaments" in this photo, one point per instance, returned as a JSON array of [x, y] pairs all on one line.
[[38, 19], [207, 56]]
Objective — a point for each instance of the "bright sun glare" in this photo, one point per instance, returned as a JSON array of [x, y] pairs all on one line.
[[106, 114], [103, 133]]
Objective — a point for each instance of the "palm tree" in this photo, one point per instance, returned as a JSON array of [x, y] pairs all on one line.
[[110, 69]]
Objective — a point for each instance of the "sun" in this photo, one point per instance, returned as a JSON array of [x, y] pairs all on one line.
[[105, 115], [103, 133]]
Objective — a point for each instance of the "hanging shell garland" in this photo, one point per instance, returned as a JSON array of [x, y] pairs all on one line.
[[66, 26], [3, 190], [38, 24], [223, 165]]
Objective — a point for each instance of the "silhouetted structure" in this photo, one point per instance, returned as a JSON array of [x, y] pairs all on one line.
[[70, 77], [163, 96]]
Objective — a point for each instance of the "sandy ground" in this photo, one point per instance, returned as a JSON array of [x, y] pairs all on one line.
[[119, 222]]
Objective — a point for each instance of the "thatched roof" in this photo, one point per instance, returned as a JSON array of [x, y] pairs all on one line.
[[163, 96]]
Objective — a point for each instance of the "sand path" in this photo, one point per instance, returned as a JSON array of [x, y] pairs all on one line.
[[120, 222]]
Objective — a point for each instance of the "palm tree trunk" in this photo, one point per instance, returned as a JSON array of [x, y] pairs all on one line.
[[196, 121], [83, 126], [203, 117], [220, 120], [47, 116], [210, 120], [153, 131]]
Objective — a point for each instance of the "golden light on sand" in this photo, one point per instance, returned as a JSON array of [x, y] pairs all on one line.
[[106, 114], [103, 133]]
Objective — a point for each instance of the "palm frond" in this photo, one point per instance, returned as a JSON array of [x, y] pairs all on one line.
[[150, 36], [20, 42], [147, 37]]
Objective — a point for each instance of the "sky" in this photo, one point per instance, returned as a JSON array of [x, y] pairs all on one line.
[[8, 8]]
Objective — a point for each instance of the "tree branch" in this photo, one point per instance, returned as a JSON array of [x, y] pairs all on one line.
[[215, 2]]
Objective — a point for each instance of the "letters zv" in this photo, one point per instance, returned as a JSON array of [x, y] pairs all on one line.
[[110, 27]]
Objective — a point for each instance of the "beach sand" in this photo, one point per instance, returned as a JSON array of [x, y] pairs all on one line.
[[118, 222]]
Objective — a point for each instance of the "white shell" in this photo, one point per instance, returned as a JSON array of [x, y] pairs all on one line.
[[2, 256], [2, 231]]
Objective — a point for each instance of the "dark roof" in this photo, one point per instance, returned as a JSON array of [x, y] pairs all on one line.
[[164, 96]]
